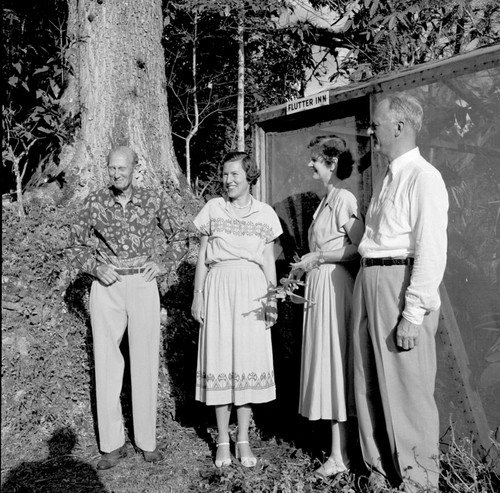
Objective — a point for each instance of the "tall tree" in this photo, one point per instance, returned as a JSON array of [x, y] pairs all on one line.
[[267, 61], [118, 87], [197, 86], [33, 67]]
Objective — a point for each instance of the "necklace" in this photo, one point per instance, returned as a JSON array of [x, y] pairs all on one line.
[[241, 206]]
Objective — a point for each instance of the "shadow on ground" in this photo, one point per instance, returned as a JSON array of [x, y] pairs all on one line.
[[60, 472]]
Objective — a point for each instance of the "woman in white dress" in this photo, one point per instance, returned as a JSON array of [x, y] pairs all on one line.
[[334, 235], [235, 305]]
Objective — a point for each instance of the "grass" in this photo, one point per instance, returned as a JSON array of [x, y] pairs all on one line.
[[65, 463]]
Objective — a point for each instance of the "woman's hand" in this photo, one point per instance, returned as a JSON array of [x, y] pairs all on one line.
[[307, 262], [296, 274], [198, 307]]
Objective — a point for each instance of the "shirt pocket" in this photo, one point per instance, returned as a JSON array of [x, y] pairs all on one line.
[[393, 217]]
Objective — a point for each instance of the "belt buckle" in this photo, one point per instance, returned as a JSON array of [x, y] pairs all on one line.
[[387, 262]]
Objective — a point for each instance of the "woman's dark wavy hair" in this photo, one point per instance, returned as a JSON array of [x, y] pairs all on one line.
[[247, 163], [332, 146]]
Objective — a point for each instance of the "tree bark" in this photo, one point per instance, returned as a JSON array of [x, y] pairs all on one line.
[[118, 87]]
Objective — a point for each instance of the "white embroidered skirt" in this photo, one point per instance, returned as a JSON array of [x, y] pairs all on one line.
[[235, 360]]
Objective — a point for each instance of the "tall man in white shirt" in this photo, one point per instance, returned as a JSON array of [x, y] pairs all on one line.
[[396, 304]]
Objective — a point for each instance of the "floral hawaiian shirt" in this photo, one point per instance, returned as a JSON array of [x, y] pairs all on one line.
[[124, 236]]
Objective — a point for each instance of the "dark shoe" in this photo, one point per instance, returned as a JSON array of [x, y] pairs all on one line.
[[154, 456], [110, 459]]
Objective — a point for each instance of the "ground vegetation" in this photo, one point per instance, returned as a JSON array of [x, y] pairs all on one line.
[[48, 407]]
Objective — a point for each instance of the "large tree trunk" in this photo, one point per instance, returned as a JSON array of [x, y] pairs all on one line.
[[118, 86]]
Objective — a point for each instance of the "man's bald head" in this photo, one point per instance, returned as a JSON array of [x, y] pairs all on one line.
[[124, 152], [121, 163]]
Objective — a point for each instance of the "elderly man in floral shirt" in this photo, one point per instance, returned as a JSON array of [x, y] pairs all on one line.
[[113, 240]]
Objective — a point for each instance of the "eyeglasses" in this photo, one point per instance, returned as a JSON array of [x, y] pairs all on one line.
[[368, 125], [373, 126]]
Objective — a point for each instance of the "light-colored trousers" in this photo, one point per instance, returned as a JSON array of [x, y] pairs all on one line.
[[130, 303], [394, 389]]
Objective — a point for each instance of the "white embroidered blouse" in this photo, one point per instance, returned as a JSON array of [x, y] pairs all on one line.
[[233, 238]]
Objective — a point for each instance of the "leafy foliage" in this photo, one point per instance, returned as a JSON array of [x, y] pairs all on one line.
[[45, 349], [33, 123], [275, 64], [462, 471], [382, 36], [290, 284]]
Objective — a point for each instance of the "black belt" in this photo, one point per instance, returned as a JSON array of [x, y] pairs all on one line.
[[130, 271], [386, 261]]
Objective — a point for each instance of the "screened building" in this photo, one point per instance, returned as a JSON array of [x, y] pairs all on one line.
[[461, 137]]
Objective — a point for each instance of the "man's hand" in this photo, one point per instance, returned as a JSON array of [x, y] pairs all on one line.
[[107, 275], [151, 270], [407, 334]]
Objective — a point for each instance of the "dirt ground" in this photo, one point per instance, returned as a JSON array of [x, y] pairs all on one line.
[[67, 463]]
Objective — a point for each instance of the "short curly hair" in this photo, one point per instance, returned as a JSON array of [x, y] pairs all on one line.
[[247, 163], [329, 147]]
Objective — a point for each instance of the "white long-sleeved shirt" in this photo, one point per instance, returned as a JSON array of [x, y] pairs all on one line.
[[407, 217]]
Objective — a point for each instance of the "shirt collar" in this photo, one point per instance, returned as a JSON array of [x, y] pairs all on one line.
[[135, 198], [330, 196], [400, 161]]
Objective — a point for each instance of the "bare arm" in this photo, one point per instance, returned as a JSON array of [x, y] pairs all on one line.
[[354, 229], [198, 305]]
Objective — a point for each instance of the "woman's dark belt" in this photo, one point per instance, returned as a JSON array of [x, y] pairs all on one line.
[[386, 261]]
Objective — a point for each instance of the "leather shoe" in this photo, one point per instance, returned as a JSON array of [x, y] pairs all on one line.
[[110, 459], [154, 456]]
